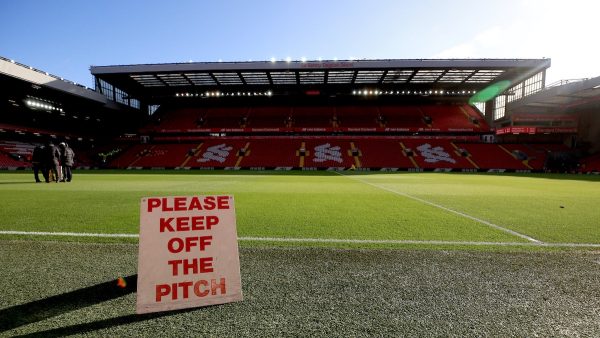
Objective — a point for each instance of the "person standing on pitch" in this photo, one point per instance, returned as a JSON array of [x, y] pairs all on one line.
[[37, 159], [52, 161], [67, 159]]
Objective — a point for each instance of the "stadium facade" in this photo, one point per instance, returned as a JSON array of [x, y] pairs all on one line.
[[361, 114]]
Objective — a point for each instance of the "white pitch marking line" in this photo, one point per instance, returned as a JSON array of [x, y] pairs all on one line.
[[67, 234], [479, 220], [316, 240]]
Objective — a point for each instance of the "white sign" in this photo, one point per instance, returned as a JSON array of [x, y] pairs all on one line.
[[188, 253]]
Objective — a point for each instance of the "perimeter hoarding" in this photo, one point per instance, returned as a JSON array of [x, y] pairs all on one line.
[[188, 253]]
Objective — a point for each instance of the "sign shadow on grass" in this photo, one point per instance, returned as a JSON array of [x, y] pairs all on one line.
[[53, 306], [101, 324]]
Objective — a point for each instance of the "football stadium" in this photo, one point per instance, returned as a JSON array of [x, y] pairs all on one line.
[[373, 197]]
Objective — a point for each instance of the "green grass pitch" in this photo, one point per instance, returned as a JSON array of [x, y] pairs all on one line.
[[324, 205], [384, 254]]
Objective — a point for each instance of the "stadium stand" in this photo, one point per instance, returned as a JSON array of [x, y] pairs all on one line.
[[590, 164], [357, 116], [19, 151], [382, 153], [7, 161], [327, 153], [436, 154], [270, 117], [453, 118], [402, 118], [301, 115], [217, 153], [492, 156], [262, 153], [313, 117]]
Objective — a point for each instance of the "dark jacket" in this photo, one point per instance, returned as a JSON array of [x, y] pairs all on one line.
[[52, 154], [38, 155], [68, 158]]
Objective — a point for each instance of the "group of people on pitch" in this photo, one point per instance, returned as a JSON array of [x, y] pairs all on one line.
[[54, 162]]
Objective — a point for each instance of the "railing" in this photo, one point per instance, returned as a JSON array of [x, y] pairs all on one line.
[[564, 82], [46, 73]]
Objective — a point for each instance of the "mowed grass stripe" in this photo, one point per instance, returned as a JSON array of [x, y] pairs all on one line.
[[548, 207], [462, 214], [316, 240], [321, 205]]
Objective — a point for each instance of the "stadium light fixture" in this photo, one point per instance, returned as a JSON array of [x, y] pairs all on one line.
[[303, 59], [288, 59], [273, 60]]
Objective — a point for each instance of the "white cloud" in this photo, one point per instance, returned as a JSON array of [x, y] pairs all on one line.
[[474, 48], [564, 31]]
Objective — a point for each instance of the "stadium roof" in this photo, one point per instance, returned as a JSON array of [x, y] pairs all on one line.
[[561, 97], [13, 69], [149, 82]]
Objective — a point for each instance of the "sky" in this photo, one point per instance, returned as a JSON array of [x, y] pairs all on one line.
[[66, 37]]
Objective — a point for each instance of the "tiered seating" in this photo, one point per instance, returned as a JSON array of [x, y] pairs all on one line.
[[226, 117], [533, 157], [128, 156], [475, 116], [313, 117], [7, 162], [382, 153], [269, 117], [181, 119], [17, 148], [163, 155], [15, 154], [431, 118], [432, 153], [402, 117], [326, 153], [492, 156], [263, 153], [450, 117], [217, 153], [357, 116], [341, 151], [591, 164]]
